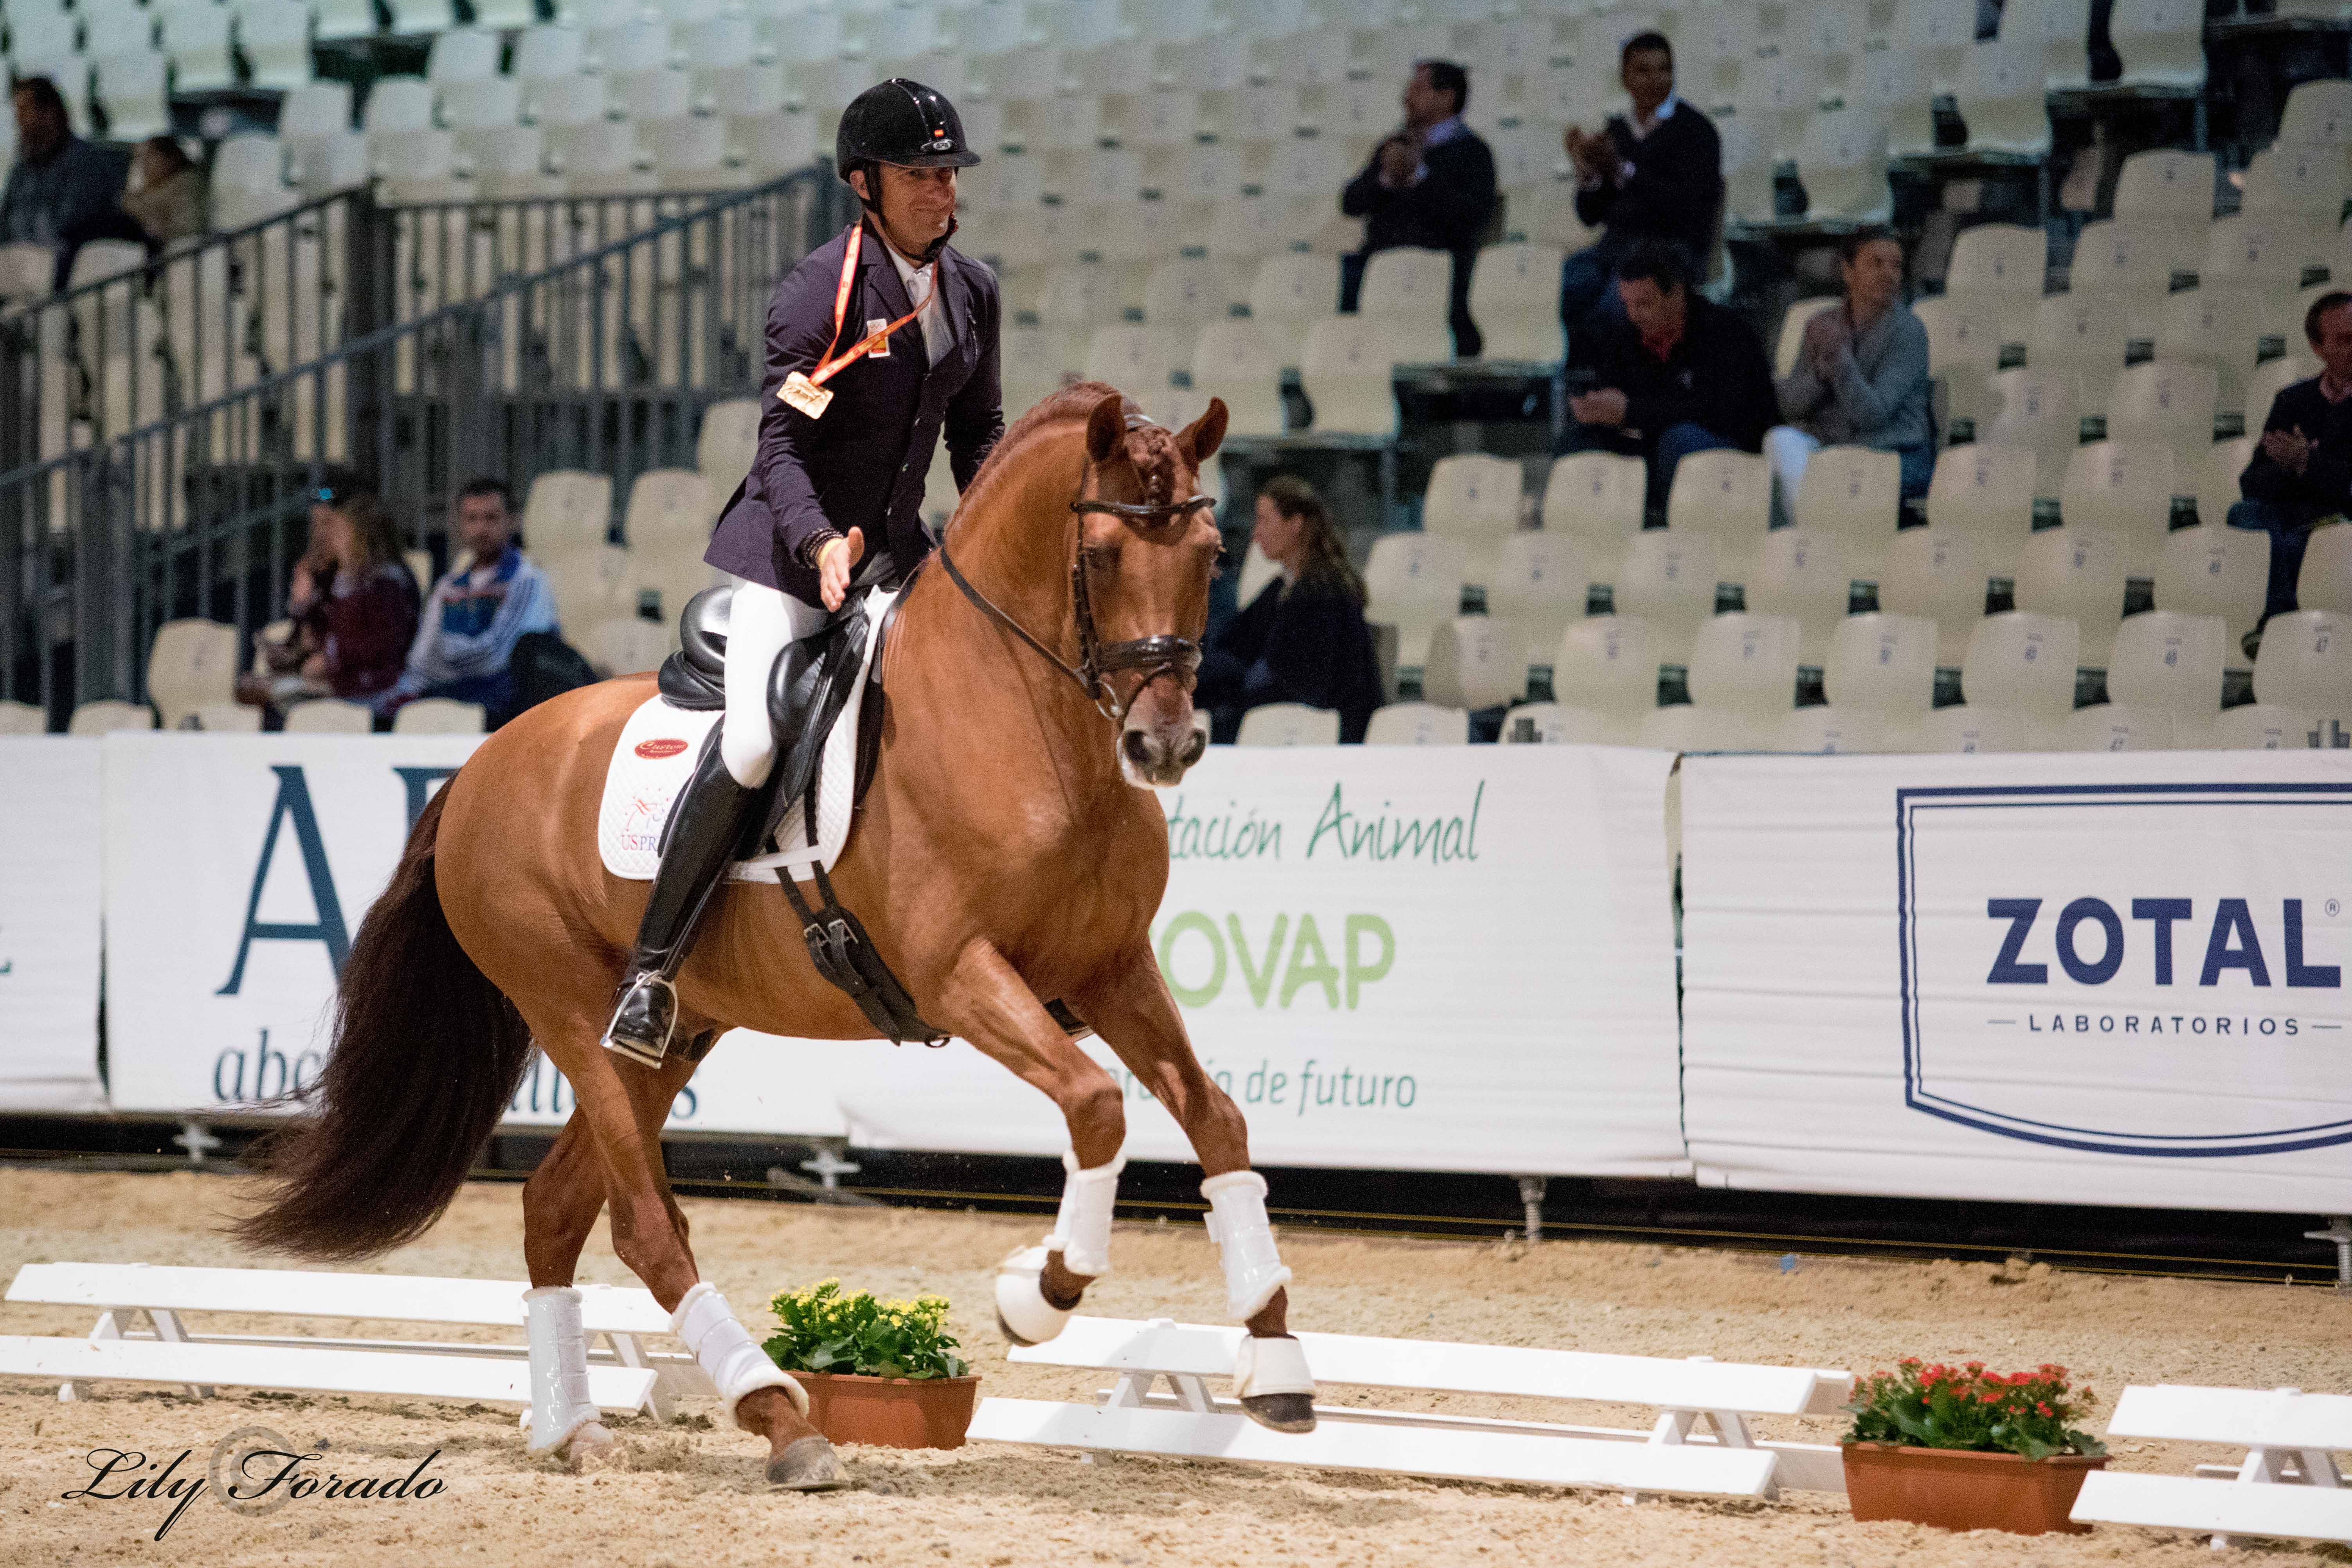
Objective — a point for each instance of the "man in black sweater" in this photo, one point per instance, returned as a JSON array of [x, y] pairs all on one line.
[[1676, 373], [1655, 176], [2302, 470], [1432, 185]]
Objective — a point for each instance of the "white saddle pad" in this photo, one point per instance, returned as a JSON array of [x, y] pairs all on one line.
[[655, 758]]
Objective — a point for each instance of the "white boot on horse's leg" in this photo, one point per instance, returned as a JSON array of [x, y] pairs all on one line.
[[1270, 1375], [561, 1414], [737, 1366], [1081, 1235]]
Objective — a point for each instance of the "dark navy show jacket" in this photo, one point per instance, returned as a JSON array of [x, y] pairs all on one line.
[[863, 464]]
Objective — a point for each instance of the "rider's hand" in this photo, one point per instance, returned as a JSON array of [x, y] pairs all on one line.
[[835, 563]]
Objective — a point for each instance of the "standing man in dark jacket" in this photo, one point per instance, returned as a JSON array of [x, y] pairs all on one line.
[[1657, 175], [1432, 185], [2301, 469], [1678, 374], [879, 343]]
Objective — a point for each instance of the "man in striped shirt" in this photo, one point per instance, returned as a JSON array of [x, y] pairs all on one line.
[[476, 613]]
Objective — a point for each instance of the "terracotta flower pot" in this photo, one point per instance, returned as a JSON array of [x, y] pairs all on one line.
[[1957, 1490], [891, 1412]]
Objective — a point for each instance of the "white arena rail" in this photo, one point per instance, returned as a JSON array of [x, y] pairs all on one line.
[[624, 1376], [2287, 1485], [1670, 1458]]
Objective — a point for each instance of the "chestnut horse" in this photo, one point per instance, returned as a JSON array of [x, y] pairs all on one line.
[[1009, 852]]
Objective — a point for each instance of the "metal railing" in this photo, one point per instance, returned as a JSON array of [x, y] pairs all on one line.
[[509, 338]]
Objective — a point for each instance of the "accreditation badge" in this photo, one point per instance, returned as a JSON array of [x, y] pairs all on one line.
[[804, 395]]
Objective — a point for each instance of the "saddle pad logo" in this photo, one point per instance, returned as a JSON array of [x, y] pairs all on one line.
[[654, 751]]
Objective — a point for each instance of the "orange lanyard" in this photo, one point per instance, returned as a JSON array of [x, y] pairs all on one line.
[[825, 370]]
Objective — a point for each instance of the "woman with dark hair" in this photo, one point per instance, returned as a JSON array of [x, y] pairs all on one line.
[[170, 200], [354, 605], [1860, 376], [1303, 638]]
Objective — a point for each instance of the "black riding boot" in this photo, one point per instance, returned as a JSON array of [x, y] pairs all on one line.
[[707, 827]]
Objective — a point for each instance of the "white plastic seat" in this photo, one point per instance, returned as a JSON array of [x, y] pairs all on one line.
[[544, 53], [598, 158], [1856, 493], [1540, 585], [2085, 332], [462, 53], [563, 101], [1832, 730], [1188, 294], [657, 92], [1474, 662], [1962, 729], [2064, 27], [2042, 410], [2168, 184], [2307, 184], [688, 152], [1348, 367], [2133, 261], [2260, 727], [2325, 581], [440, 716], [2217, 476], [1668, 580], [1608, 664], [1473, 498], [2305, 663], [1692, 727], [2110, 727], [340, 19], [412, 17], [1290, 724], [666, 506], [1230, 360], [1515, 300], [2002, 265], [105, 715], [1725, 496], [2126, 487], [2076, 571], [397, 103], [566, 508], [1556, 724], [1808, 577], [1407, 285], [22, 719], [1894, 83], [2167, 662], [329, 716], [131, 87], [1417, 724], [1748, 663], [2317, 114], [2001, 96], [1598, 499], [2165, 401], [1964, 346], [1841, 162], [1940, 33], [196, 38], [2023, 663], [1937, 574], [1413, 583], [2214, 570], [2215, 325], [2160, 42], [189, 664], [1883, 664], [416, 166], [1289, 294], [1137, 360]]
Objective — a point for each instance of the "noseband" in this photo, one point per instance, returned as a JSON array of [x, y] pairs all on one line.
[[1165, 654]]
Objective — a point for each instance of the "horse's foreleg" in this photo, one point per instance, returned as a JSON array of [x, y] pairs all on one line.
[[1038, 1287], [1129, 1007], [623, 1105]]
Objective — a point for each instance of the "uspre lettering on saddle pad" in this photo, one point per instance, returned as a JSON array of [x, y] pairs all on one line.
[[655, 755]]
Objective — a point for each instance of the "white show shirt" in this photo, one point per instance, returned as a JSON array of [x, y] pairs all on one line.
[[921, 284]]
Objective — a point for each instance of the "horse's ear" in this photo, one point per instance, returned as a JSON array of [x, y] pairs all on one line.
[[1107, 428], [1200, 439]]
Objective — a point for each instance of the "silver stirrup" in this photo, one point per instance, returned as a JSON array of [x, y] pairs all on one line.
[[636, 1052]]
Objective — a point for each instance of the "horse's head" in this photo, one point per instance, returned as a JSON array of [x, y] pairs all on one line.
[[1143, 568]]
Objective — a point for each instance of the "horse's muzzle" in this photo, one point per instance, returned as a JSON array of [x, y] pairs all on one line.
[[1158, 753]]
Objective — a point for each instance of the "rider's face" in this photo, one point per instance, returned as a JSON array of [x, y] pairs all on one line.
[[916, 203]]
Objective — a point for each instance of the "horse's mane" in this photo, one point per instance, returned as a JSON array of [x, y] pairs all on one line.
[[1150, 447]]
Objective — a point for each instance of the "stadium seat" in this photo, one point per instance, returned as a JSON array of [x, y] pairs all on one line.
[[105, 716], [440, 716], [329, 716], [2167, 401], [1884, 665], [477, 103], [2216, 325], [1668, 579], [1412, 582], [2217, 478], [631, 645], [2000, 98], [2022, 663], [1689, 727], [1417, 724], [1940, 34], [1596, 498], [1828, 731], [1139, 361], [1290, 724], [1746, 664], [131, 88], [2306, 184], [2110, 727], [1230, 359], [1609, 665], [666, 506], [567, 507], [1937, 574], [2000, 265], [1893, 83], [1556, 724], [657, 92], [1474, 498], [2170, 663], [22, 719], [1962, 729], [416, 166], [543, 53], [315, 109], [2063, 28], [189, 664], [1964, 344], [1348, 367], [462, 53], [335, 20], [2213, 570], [1189, 293], [2084, 333], [1841, 162], [1540, 585], [2133, 261], [2076, 571], [196, 35], [2317, 114], [1809, 578], [2325, 580], [1856, 493], [2168, 185], [1407, 285], [1515, 300], [1288, 295], [1474, 662], [1725, 497], [2162, 42], [727, 446], [2262, 727], [395, 104], [2305, 664], [2042, 410], [2126, 487]]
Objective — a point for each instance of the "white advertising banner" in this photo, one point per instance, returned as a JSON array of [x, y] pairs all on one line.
[[49, 881], [2112, 979], [1403, 958], [237, 869]]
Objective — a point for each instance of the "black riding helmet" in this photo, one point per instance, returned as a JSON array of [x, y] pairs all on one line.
[[903, 123]]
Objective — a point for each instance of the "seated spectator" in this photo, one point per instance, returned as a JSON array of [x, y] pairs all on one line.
[[169, 200], [64, 191], [1432, 185], [1680, 374], [353, 604], [1303, 638], [1860, 376], [466, 642], [2301, 469], [1657, 175]]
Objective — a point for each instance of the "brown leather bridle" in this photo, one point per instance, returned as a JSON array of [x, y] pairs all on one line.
[[1162, 654]]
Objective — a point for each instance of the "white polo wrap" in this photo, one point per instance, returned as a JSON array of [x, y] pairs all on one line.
[[1082, 1227], [560, 1405], [1245, 1239], [1271, 1366], [726, 1352]]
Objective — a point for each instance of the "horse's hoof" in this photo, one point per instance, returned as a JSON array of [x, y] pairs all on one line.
[[1281, 1412], [808, 1465], [594, 1447]]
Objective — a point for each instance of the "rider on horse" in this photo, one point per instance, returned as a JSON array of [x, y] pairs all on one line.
[[877, 341]]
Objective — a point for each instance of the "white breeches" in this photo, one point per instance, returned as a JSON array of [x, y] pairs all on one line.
[[762, 622]]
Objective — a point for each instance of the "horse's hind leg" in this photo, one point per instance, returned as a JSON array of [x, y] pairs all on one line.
[[1129, 1007], [560, 1205], [1038, 1287], [623, 1107]]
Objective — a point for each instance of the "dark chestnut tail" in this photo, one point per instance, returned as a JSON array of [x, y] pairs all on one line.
[[426, 1055]]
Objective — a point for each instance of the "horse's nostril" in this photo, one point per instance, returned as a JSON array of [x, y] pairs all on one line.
[[1193, 746], [1137, 743]]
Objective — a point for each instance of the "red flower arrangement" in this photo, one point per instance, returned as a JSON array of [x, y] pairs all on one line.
[[1967, 1407]]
